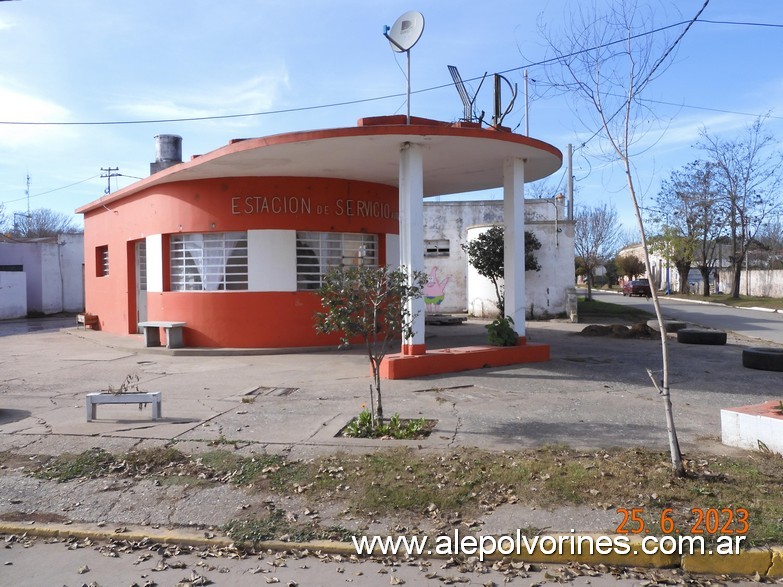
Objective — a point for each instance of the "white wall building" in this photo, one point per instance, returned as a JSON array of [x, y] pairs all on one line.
[[41, 275], [455, 286]]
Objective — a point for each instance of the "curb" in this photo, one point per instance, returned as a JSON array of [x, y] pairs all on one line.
[[704, 302], [84, 531], [755, 562]]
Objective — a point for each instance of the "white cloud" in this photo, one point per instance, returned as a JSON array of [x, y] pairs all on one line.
[[256, 94], [18, 106], [6, 23]]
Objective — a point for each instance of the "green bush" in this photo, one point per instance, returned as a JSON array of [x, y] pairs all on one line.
[[502, 333], [362, 427]]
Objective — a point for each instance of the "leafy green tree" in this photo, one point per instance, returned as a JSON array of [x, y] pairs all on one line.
[[370, 303], [678, 249], [629, 265], [486, 254]]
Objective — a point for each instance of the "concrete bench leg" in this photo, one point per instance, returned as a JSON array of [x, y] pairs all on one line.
[[174, 338], [151, 336], [157, 408], [92, 410]]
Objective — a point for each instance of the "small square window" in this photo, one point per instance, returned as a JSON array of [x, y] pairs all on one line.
[[436, 248], [102, 261]]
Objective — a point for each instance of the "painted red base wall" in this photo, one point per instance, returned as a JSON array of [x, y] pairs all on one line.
[[226, 319], [242, 319]]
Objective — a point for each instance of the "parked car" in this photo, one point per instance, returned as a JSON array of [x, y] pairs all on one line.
[[637, 287]]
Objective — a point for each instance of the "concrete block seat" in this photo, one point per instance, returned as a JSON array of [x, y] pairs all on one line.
[[141, 398], [87, 320], [173, 333]]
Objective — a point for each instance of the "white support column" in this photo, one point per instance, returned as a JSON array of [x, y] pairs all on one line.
[[514, 242], [412, 235]]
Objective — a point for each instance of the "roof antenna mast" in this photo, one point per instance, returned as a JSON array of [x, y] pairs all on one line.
[[403, 35]]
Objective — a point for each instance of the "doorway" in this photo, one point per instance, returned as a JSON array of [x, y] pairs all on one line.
[[141, 284]]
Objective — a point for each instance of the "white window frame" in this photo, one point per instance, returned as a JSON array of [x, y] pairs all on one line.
[[437, 248], [317, 252], [210, 261]]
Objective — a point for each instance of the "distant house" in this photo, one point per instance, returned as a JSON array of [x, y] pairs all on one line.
[[41, 275]]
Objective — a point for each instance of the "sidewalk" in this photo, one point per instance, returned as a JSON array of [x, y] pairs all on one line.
[[594, 393]]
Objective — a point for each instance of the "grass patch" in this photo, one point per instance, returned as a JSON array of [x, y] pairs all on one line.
[[277, 526], [449, 487], [592, 310], [90, 464], [742, 302], [364, 426]]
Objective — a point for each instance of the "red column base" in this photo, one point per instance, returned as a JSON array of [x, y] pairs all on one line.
[[403, 366], [414, 349]]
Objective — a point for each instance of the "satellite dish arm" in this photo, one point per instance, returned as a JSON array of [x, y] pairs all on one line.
[[386, 29]]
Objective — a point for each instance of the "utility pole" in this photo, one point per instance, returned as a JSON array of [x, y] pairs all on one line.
[[108, 175], [17, 227], [570, 182], [527, 108]]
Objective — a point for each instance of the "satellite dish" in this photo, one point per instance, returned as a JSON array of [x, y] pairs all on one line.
[[402, 36], [406, 31]]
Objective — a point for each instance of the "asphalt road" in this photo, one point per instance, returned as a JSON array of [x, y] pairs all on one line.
[[763, 325], [78, 564]]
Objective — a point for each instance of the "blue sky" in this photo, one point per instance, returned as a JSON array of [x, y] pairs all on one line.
[[89, 61]]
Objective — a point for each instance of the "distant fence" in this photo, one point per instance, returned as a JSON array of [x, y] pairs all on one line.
[[756, 282]]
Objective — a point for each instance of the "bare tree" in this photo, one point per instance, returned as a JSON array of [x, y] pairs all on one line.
[[44, 222], [3, 219], [694, 217], [748, 173], [606, 63], [596, 239]]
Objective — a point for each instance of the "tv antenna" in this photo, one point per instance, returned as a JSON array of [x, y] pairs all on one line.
[[497, 119], [403, 35], [467, 101]]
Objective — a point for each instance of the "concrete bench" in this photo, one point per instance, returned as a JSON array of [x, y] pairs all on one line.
[[173, 333], [86, 320], [153, 397]]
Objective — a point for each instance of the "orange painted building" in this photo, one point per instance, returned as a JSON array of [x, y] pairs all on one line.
[[234, 242]]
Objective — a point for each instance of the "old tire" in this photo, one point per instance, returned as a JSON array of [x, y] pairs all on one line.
[[701, 336], [671, 325], [765, 359]]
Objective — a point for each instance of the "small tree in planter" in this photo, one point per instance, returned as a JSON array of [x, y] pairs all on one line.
[[369, 303]]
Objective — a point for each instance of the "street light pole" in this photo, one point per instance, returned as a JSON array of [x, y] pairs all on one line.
[[558, 201]]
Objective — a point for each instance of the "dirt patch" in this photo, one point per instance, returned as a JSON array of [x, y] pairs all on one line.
[[37, 517]]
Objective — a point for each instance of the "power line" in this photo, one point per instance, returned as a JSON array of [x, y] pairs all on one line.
[[70, 185], [378, 98]]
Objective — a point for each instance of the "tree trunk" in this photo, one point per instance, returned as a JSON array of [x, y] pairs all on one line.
[[736, 280], [674, 445], [589, 286], [683, 273], [377, 412], [501, 301], [705, 277]]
